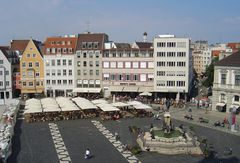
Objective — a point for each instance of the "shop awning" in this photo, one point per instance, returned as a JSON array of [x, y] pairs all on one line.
[[107, 107], [221, 104], [87, 90], [116, 88]]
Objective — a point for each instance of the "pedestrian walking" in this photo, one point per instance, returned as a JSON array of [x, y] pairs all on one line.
[[87, 154]]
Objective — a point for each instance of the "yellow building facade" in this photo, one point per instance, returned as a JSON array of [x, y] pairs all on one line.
[[32, 69]]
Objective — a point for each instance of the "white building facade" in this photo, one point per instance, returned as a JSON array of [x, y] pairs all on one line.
[[172, 64], [59, 69], [226, 85], [5, 76]]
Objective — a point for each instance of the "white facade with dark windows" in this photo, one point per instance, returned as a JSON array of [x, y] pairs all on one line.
[[173, 66], [226, 85], [5, 75], [59, 69]]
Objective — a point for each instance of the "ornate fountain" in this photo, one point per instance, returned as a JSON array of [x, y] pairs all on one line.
[[169, 140]]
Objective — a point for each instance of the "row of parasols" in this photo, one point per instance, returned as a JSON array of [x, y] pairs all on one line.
[[75, 106]]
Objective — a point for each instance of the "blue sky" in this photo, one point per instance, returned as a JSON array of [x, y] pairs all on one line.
[[122, 20]]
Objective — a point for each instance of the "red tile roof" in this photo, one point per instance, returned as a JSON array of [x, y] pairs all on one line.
[[60, 42]]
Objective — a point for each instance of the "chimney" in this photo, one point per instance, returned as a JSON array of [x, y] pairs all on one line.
[[145, 37]]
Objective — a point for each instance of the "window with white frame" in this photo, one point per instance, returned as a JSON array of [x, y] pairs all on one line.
[[143, 77], [161, 54], [161, 83], [105, 76], [105, 64], [171, 83], [59, 62], [113, 64], [160, 64], [127, 77], [30, 74], [170, 64], [64, 62], [223, 78], [237, 80], [222, 97], [143, 65], [120, 64], [160, 73], [127, 64], [69, 72], [69, 62], [37, 64], [78, 63], [30, 64], [135, 77], [30, 84], [97, 63], [161, 44], [150, 77], [150, 64], [37, 74], [135, 64], [59, 72], [47, 72], [64, 72], [180, 83], [53, 72], [236, 98], [53, 62]]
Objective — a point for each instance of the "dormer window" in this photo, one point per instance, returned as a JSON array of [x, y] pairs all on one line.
[[53, 42], [64, 50], [84, 45], [70, 50], [47, 50], [69, 42], [63, 42], [95, 45], [89, 45], [59, 50], [53, 50]]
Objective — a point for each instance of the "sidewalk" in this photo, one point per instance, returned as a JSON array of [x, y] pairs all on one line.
[[211, 116]]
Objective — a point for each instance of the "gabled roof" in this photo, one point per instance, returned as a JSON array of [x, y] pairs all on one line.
[[18, 45], [92, 37], [230, 61], [4, 50], [144, 45], [122, 45]]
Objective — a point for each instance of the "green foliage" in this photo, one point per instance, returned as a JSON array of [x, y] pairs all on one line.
[[172, 134], [136, 149], [191, 128], [210, 73]]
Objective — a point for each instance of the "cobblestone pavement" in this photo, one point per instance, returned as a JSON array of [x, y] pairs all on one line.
[[211, 116], [116, 143]]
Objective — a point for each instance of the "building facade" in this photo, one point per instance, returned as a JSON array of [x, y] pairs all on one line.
[[87, 61], [32, 70], [5, 75], [17, 48], [173, 65], [226, 86], [59, 70], [127, 68]]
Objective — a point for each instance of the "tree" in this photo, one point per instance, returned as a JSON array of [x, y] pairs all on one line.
[[210, 73]]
